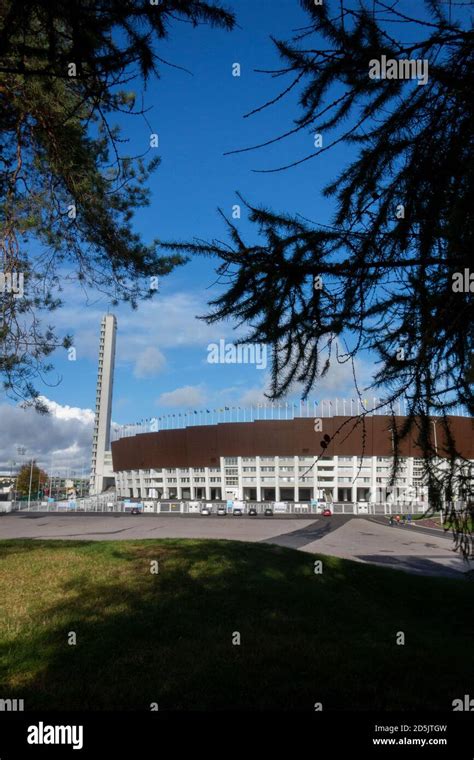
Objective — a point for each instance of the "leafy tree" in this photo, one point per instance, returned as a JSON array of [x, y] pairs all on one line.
[[67, 195], [381, 276], [31, 473]]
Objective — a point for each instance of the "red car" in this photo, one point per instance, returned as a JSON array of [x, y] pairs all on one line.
[[326, 513]]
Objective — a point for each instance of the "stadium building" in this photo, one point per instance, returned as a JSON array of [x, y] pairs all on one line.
[[273, 460]]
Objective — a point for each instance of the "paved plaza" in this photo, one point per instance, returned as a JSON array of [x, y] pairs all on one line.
[[417, 550]]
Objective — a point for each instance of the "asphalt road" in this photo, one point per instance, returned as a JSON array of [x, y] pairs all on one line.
[[423, 551]]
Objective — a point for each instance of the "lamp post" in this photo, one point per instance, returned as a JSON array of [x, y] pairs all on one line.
[[12, 487], [29, 488], [21, 451], [39, 486], [51, 478]]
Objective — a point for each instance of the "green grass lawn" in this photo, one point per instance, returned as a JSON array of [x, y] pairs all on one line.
[[167, 638], [465, 523]]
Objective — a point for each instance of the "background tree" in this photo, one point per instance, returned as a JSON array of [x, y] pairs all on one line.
[[39, 480], [381, 277], [67, 194]]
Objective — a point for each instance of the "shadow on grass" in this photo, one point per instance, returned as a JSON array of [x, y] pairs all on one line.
[[168, 637]]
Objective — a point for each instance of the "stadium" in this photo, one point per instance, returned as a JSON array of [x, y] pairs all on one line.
[[341, 460]]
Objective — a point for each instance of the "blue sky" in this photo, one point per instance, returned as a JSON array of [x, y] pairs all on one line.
[[162, 348]]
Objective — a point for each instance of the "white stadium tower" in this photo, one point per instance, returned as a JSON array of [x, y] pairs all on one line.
[[102, 476]]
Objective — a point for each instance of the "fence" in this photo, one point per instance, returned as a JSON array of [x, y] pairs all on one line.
[[180, 507]]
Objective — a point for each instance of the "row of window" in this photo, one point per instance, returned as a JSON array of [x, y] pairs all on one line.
[[282, 467], [325, 479]]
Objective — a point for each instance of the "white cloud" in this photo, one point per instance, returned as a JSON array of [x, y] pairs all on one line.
[[65, 412], [338, 382], [65, 435], [169, 321], [149, 363], [188, 395], [254, 396]]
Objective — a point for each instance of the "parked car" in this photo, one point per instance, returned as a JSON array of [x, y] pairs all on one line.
[[206, 511], [221, 510], [252, 511], [237, 511], [268, 511], [136, 511], [326, 512]]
